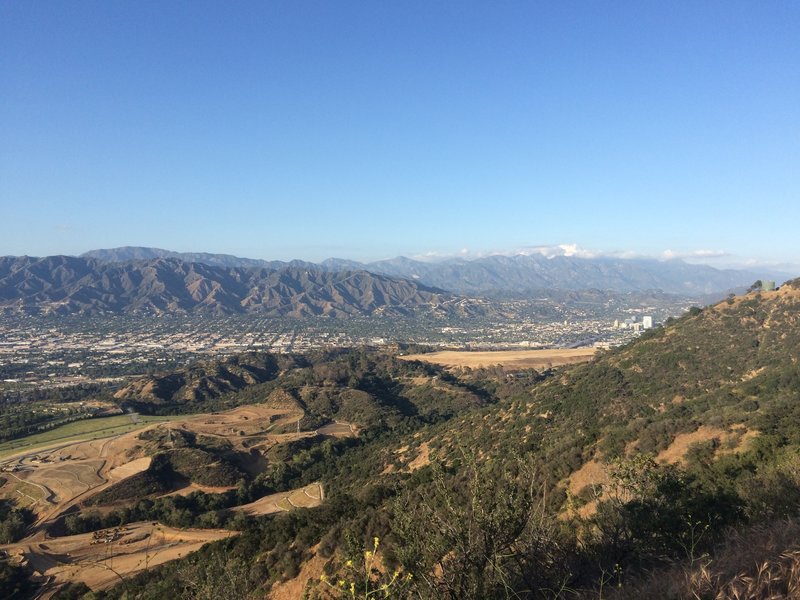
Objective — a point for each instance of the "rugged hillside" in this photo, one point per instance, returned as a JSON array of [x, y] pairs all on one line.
[[364, 388], [730, 368], [649, 453], [62, 285], [202, 381]]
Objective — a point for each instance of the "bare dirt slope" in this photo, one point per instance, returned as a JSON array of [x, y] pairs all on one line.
[[102, 559]]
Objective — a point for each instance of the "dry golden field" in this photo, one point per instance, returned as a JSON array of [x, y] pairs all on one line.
[[510, 360]]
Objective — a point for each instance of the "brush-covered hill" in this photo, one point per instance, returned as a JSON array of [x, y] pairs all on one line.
[[729, 371], [660, 456], [201, 381], [658, 470], [67, 285], [370, 389]]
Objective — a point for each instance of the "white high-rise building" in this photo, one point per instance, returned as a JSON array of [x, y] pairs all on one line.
[[647, 322]]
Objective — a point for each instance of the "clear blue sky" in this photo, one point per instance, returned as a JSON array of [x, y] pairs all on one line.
[[371, 129]]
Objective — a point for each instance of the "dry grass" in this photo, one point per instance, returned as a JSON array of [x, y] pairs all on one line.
[[592, 473], [131, 468], [422, 459], [196, 487], [676, 452], [760, 563], [292, 589], [510, 360]]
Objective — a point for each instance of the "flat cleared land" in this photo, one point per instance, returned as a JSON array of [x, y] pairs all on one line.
[[79, 430], [128, 469], [338, 429], [206, 489], [100, 563], [510, 360], [306, 497]]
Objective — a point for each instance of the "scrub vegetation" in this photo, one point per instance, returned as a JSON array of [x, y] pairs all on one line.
[[667, 468]]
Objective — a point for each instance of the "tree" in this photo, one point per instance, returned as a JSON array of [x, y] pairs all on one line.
[[756, 287]]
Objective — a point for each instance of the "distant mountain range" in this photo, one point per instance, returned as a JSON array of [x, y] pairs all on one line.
[[150, 280], [131, 253], [65, 285], [501, 275]]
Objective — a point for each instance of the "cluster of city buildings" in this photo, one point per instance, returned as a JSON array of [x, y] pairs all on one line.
[[634, 324]]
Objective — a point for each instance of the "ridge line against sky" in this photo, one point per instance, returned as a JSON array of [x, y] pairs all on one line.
[[714, 258], [367, 130]]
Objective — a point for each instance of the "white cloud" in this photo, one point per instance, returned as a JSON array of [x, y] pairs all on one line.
[[694, 254], [553, 251], [573, 250]]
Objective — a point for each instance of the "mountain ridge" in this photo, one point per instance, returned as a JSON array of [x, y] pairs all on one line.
[[64, 284], [500, 274]]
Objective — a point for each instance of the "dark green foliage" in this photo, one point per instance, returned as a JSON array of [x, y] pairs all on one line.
[[13, 522], [30, 411], [170, 470], [157, 479], [72, 591], [15, 583], [203, 467], [204, 382], [650, 513]]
